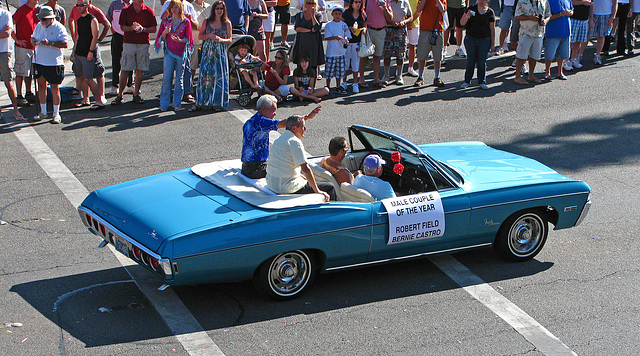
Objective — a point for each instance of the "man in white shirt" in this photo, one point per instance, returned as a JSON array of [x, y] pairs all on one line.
[[288, 161], [371, 182]]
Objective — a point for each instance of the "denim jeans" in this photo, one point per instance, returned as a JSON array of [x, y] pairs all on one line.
[[187, 75], [171, 65], [477, 50]]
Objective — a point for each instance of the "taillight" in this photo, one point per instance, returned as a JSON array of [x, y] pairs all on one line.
[[136, 252], [154, 264], [103, 229], [89, 220], [145, 258]]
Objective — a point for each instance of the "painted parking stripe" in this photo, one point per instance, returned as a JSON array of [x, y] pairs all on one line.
[[524, 324], [180, 321]]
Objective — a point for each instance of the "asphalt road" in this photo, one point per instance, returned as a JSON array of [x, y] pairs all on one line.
[[74, 299]]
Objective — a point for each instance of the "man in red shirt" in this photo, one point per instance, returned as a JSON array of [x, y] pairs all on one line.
[[137, 21], [25, 20], [431, 14]]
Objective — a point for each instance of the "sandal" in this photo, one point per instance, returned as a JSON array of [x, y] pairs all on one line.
[[379, 85], [216, 109], [188, 99], [363, 85], [195, 108], [138, 99], [95, 107], [18, 116], [117, 100], [82, 104]]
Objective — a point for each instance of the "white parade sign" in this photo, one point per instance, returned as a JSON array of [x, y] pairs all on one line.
[[414, 217]]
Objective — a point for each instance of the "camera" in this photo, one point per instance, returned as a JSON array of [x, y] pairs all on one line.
[[540, 20]]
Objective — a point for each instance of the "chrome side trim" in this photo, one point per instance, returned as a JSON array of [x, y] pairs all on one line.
[[584, 212], [408, 257], [274, 241], [526, 200]]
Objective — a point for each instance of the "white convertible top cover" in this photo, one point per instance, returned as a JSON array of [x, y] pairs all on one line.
[[226, 175]]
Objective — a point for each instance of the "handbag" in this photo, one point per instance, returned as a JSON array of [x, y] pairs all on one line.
[[366, 47]]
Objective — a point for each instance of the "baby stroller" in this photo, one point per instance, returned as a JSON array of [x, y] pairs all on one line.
[[236, 80]]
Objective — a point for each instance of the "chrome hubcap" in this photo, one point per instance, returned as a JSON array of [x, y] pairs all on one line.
[[525, 235], [289, 273]]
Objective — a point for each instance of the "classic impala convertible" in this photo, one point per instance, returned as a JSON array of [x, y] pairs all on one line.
[[209, 224]]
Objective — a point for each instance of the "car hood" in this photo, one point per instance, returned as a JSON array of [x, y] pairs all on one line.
[[152, 209], [483, 167]]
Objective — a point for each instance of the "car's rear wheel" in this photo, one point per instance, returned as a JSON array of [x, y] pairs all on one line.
[[286, 275], [522, 236]]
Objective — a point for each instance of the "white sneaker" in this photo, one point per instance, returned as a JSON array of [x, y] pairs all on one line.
[[56, 119], [483, 86], [524, 70], [412, 72], [399, 80], [460, 53], [597, 59], [497, 51], [113, 91], [355, 88], [513, 64], [567, 65], [575, 63], [385, 78], [39, 117], [464, 85], [579, 58]]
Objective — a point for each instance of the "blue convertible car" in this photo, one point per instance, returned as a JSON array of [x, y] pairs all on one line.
[[209, 224]]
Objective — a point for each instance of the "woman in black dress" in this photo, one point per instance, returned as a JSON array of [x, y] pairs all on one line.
[[308, 43]]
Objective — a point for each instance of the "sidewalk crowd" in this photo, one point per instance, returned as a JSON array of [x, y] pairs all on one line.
[[195, 37]]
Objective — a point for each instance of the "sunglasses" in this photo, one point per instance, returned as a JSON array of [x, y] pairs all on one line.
[[81, 5], [219, 8], [357, 2], [311, 3], [281, 58]]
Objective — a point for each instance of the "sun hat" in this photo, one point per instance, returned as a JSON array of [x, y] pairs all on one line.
[[46, 12]]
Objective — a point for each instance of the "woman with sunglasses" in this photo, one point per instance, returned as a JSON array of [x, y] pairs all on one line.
[[277, 75], [356, 19], [308, 43], [213, 82], [175, 31]]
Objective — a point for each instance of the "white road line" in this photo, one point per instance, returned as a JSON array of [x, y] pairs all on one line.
[[178, 318], [524, 324]]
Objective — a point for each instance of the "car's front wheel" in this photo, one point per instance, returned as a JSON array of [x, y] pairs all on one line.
[[286, 275], [521, 236]]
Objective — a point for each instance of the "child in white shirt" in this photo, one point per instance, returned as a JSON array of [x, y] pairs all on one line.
[[337, 35], [243, 56]]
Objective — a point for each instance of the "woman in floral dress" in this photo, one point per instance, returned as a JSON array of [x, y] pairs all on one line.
[[213, 81]]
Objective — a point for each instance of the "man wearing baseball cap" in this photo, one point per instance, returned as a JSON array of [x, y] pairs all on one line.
[[370, 182]]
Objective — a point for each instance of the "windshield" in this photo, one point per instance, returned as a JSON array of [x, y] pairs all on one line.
[[381, 140]]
